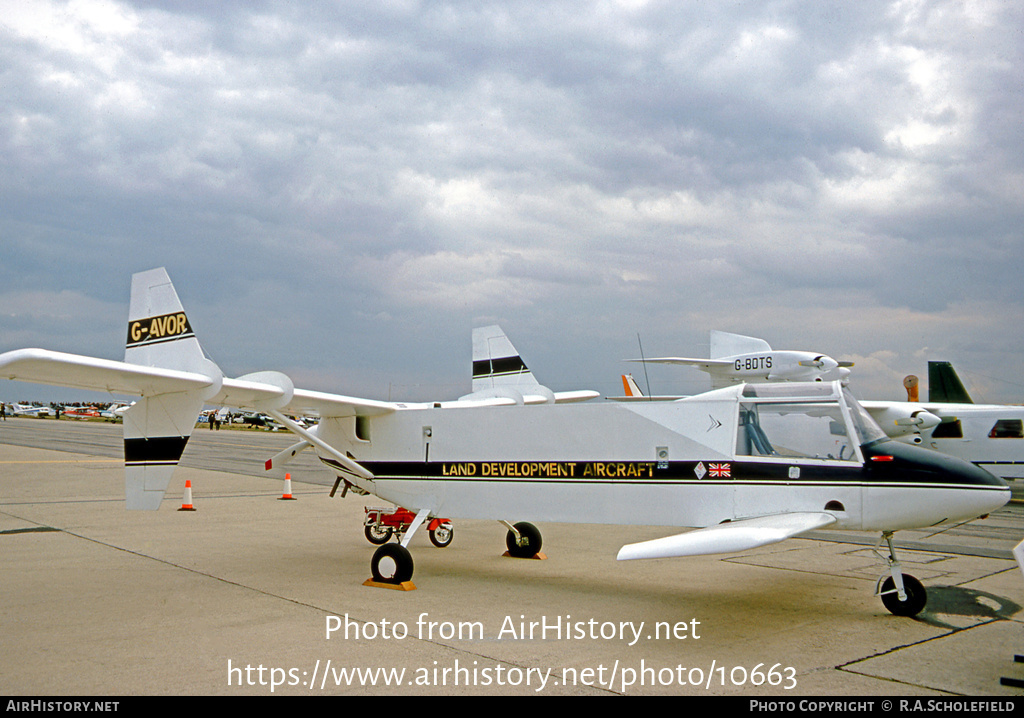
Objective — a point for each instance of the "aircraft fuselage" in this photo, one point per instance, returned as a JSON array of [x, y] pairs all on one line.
[[693, 462]]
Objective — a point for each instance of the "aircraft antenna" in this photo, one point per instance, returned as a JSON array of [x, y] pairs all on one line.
[[644, 363]]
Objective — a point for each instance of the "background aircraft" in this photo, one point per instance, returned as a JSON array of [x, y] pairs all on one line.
[[33, 410], [737, 358], [988, 435]]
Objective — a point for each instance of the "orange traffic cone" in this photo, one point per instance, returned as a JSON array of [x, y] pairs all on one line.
[[186, 502], [287, 496]]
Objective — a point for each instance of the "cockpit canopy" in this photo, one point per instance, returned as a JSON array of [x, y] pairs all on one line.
[[803, 421]]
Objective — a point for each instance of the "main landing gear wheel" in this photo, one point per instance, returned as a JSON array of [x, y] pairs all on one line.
[[916, 596], [442, 535], [377, 534], [391, 563], [529, 541]]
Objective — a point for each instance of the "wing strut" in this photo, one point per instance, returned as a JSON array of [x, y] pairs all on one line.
[[315, 440]]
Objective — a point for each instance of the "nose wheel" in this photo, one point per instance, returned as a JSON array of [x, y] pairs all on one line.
[[901, 594]]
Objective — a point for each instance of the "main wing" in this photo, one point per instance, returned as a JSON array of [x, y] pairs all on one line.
[[253, 391], [703, 364], [41, 366]]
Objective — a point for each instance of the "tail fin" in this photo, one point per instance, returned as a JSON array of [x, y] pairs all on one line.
[[500, 373], [159, 333], [158, 426], [496, 363], [725, 344], [944, 385], [629, 386]]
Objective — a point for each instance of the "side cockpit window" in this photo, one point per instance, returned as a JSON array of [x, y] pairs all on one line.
[[794, 431]]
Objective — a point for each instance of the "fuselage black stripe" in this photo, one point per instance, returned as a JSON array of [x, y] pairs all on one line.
[[724, 473]]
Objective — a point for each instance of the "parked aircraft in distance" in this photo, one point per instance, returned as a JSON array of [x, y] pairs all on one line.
[[736, 358], [81, 412], [115, 411], [988, 435], [632, 392], [33, 410], [753, 464]]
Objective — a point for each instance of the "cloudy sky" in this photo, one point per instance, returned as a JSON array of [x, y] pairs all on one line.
[[341, 191]]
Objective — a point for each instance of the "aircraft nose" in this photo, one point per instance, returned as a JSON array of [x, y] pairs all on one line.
[[890, 458], [937, 488]]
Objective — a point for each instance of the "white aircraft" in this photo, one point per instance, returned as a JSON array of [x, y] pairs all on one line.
[[115, 411], [752, 463], [33, 410], [736, 358], [989, 435]]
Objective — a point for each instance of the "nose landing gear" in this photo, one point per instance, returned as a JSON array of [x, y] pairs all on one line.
[[901, 594]]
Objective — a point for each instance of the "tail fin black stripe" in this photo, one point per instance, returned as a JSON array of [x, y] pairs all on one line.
[[497, 367], [154, 450]]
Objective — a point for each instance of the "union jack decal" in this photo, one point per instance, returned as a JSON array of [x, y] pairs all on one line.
[[720, 470]]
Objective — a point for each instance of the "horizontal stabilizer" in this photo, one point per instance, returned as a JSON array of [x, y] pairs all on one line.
[[729, 537]]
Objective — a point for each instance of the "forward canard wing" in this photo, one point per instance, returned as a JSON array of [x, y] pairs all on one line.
[[729, 537]]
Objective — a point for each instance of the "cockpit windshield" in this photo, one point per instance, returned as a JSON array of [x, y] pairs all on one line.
[[863, 422], [806, 421]]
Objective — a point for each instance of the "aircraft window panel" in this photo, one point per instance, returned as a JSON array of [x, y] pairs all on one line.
[[948, 430], [1007, 429], [362, 428], [800, 431], [783, 391]]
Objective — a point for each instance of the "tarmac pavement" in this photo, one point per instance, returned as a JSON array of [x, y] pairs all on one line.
[[251, 595]]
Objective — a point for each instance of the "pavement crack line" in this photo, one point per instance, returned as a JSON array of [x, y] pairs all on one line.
[[847, 667]]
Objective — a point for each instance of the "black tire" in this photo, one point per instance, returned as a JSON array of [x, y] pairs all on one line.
[[391, 563], [529, 543], [916, 596], [442, 536], [377, 534]]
